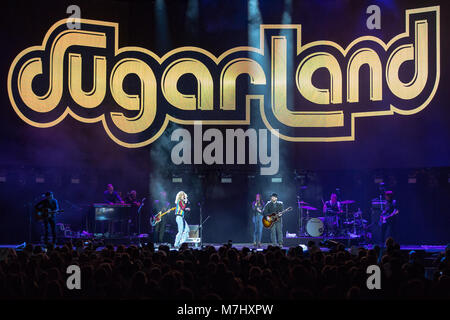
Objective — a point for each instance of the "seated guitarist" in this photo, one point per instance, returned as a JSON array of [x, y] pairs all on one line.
[[48, 204], [388, 216], [276, 232]]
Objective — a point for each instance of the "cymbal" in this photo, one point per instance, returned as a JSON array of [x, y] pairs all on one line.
[[302, 202], [347, 201], [308, 208]]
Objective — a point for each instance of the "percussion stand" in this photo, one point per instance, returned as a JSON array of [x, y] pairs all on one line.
[[346, 215], [300, 217]]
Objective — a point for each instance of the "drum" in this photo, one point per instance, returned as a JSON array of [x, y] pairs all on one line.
[[314, 227]]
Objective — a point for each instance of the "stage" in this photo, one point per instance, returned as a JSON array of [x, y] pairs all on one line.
[[429, 249], [149, 124]]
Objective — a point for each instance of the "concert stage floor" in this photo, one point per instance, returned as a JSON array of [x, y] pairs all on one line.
[[239, 246]]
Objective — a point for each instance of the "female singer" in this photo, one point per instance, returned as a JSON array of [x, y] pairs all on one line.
[[183, 227], [257, 207]]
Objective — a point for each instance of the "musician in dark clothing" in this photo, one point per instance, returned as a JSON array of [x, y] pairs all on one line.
[[257, 209], [388, 216], [110, 196], [48, 204], [132, 200], [161, 205], [332, 210], [276, 232]]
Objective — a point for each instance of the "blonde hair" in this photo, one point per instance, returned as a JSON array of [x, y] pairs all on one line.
[[179, 196]]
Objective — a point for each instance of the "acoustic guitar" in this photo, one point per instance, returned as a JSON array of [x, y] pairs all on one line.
[[45, 213], [269, 219]]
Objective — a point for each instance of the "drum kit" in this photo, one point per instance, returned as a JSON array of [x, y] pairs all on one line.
[[333, 224]]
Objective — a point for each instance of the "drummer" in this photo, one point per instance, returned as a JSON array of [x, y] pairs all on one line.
[[331, 209]]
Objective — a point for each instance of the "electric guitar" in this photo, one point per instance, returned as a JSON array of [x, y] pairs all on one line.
[[269, 219], [141, 205], [385, 218], [44, 213], [157, 218]]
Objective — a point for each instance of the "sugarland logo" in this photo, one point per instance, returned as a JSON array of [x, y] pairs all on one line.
[[135, 94]]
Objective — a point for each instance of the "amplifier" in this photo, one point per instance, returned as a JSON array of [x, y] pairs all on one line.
[[194, 237]]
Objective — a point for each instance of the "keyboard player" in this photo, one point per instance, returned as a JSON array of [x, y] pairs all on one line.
[[110, 196]]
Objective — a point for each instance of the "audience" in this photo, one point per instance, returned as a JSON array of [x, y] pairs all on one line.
[[223, 274]]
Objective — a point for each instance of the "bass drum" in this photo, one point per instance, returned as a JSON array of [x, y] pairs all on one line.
[[314, 227]]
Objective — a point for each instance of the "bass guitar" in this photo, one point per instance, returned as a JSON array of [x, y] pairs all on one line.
[[269, 219], [384, 218], [44, 213], [157, 218]]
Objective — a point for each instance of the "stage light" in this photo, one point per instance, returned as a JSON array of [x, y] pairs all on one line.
[[226, 180], [291, 235], [330, 244], [192, 13], [289, 34], [378, 180], [277, 180], [412, 180], [254, 21], [177, 180], [40, 180], [163, 40], [253, 29]]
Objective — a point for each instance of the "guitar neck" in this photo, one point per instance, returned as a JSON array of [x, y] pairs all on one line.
[[166, 212], [284, 211]]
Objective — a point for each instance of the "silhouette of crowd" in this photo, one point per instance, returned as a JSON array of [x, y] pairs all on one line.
[[225, 273]]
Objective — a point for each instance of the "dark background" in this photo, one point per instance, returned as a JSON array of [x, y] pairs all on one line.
[[391, 148]]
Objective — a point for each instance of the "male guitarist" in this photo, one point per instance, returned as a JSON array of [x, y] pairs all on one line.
[[45, 207], [133, 215], [387, 218], [276, 232], [161, 205]]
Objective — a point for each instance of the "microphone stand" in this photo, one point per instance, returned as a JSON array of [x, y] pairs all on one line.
[[302, 231], [200, 231], [139, 221], [300, 216], [382, 190]]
